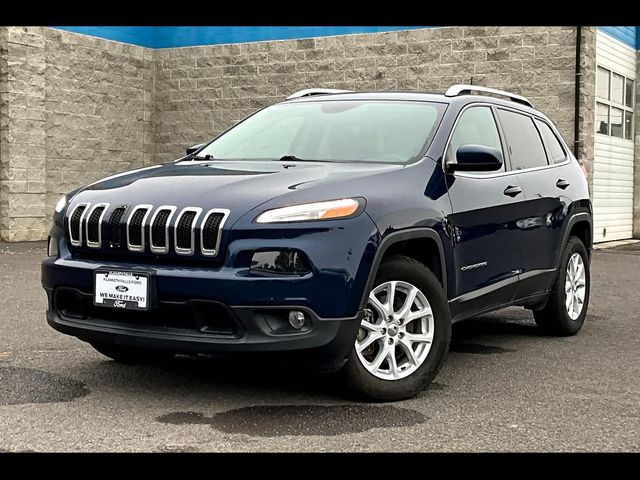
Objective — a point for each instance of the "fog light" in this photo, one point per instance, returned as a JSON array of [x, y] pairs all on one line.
[[279, 262], [296, 319]]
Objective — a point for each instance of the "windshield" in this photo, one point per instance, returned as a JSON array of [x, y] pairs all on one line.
[[338, 131]]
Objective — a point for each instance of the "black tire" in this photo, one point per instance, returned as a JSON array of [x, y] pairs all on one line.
[[366, 385], [554, 319], [132, 355]]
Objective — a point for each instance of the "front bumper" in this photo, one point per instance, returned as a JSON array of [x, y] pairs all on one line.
[[326, 342], [254, 309]]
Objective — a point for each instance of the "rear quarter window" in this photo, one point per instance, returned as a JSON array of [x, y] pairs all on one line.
[[523, 140], [555, 151]]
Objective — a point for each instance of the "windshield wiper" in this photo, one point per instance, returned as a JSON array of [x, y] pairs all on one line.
[[206, 157], [290, 158]]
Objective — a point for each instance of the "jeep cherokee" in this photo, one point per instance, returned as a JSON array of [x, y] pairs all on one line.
[[352, 227]]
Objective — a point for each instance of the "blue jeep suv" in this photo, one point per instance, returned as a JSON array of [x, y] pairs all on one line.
[[352, 227]]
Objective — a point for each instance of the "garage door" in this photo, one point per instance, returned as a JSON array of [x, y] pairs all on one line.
[[614, 146]]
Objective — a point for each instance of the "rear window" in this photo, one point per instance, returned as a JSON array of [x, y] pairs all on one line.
[[554, 149], [523, 140], [338, 130]]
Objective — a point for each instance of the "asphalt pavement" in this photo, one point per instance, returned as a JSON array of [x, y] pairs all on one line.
[[504, 387]]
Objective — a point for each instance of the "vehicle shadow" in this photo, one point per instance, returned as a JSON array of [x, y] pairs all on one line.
[[279, 376]]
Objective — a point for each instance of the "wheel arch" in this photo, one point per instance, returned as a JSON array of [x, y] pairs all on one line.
[[580, 225], [407, 242]]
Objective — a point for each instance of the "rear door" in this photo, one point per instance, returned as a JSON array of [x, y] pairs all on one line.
[[485, 213], [539, 158]]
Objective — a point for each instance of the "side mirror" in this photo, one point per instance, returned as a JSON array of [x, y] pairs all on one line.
[[195, 148], [476, 158]]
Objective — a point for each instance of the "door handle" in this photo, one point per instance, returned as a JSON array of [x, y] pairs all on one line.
[[512, 191], [562, 184]]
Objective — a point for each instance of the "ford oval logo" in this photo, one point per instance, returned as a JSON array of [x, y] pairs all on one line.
[[122, 288]]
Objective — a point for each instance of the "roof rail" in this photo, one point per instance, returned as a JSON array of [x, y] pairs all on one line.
[[316, 91], [456, 90]]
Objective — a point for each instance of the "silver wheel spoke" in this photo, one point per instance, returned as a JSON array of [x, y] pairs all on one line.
[[375, 303], [418, 314], [409, 351], [408, 302], [372, 327], [579, 271], [419, 337], [391, 295], [393, 363], [368, 341], [382, 354]]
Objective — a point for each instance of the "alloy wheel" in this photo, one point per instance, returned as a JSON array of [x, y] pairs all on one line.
[[396, 333], [575, 286]]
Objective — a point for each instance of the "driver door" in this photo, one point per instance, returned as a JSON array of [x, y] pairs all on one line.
[[485, 211]]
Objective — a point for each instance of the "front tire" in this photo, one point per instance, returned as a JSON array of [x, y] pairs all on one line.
[[404, 337], [566, 308]]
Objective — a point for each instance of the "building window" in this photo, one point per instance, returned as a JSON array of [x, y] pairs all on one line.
[[614, 104]]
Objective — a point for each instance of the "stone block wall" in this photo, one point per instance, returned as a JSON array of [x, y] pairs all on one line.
[[200, 91], [75, 108], [22, 134]]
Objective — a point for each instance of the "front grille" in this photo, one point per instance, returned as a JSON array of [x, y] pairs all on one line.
[[75, 224], [127, 227], [115, 226], [211, 232], [184, 232], [135, 228], [199, 316], [94, 224]]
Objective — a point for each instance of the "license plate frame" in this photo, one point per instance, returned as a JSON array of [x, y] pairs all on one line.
[[134, 281]]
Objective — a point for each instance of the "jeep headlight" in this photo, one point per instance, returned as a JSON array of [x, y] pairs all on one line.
[[61, 204], [332, 209]]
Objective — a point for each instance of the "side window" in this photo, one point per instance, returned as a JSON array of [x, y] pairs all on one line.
[[554, 147], [478, 127], [523, 139]]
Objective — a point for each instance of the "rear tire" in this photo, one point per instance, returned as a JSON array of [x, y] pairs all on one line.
[[132, 355], [404, 375], [559, 317]]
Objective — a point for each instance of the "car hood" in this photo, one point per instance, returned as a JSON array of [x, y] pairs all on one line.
[[239, 186]]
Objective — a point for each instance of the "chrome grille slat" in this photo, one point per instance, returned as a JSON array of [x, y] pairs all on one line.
[[184, 230], [211, 231], [159, 229], [136, 225], [76, 220], [94, 224]]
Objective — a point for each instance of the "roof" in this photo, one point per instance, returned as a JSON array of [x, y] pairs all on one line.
[[416, 96]]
